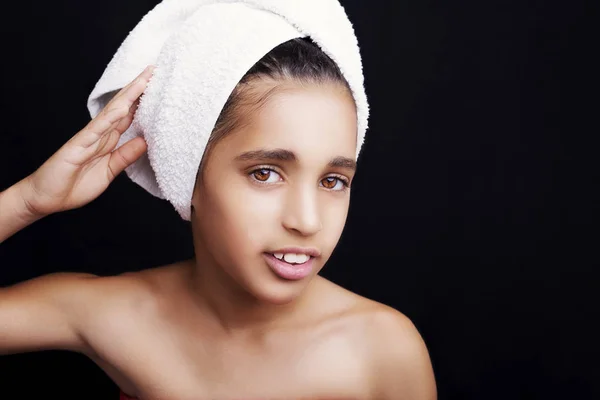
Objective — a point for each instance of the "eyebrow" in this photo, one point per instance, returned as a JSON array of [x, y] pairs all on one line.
[[287, 155]]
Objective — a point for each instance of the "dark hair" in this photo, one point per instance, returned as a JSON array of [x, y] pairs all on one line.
[[299, 59]]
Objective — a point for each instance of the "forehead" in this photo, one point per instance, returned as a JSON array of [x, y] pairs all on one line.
[[306, 119]]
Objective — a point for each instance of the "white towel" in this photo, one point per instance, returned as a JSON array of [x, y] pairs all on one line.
[[201, 49]]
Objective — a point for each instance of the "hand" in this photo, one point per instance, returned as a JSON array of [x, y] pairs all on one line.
[[84, 166]]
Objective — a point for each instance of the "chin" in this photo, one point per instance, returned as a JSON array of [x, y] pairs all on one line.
[[281, 292]]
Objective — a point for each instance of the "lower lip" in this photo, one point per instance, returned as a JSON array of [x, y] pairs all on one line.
[[289, 271]]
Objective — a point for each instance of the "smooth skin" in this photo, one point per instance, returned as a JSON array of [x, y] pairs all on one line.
[[221, 325]]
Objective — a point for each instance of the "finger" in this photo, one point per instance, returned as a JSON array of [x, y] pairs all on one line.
[[117, 129], [120, 106], [117, 108], [134, 89], [122, 125], [118, 114], [125, 155], [98, 127]]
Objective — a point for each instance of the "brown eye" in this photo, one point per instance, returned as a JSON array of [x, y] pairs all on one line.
[[330, 182], [264, 175], [261, 174]]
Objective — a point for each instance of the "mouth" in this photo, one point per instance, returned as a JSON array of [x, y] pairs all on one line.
[[290, 267]]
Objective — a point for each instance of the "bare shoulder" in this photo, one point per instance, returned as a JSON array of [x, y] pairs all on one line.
[[126, 298], [399, 360], [115, 308], [396, 354], [377, 323]]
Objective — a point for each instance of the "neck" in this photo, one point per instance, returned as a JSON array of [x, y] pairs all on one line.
[[233, 308]]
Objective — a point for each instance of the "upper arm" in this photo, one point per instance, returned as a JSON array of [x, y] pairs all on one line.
[[401, 365], [44, 313]]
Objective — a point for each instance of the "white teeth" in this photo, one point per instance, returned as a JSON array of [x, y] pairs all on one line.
[[295, 258], [292, 258], [302, 258]]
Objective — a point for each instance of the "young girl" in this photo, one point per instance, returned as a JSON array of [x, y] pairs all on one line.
[[249, 316]]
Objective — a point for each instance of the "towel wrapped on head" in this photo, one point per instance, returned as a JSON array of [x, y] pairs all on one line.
[[201, 50]]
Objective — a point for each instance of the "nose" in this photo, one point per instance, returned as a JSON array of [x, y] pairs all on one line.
[[301, 212]]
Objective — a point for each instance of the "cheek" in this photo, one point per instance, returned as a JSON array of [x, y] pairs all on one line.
[[334, 220], [244, 218]]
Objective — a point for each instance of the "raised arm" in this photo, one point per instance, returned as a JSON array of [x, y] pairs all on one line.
[[81, 169], [14, 212], [51, 312]]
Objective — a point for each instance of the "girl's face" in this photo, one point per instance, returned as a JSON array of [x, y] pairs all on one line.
[[278, 181]]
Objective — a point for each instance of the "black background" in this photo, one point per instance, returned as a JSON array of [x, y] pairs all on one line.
[[474, 209]]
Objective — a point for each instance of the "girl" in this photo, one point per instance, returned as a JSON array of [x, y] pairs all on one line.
[[248, 316]]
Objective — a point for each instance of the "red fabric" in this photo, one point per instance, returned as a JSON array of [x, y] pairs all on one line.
[[123, 396]]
